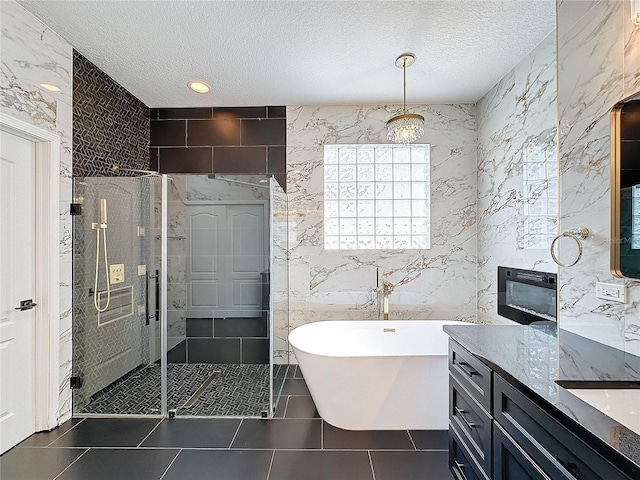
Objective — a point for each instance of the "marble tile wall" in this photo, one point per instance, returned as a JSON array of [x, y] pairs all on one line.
[[598, 65], [33, 54], [514, 115], [438, 283], [279, 273]]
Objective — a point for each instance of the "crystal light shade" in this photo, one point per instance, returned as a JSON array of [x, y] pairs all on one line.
[[405, 128]]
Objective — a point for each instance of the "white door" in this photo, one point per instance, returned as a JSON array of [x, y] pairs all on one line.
[[245, 262], [225, 260], [17, 283]]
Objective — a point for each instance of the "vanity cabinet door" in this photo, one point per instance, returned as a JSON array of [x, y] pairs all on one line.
[[510, 461], [551, 445], [473, 423], [461, 462], [471, 373]]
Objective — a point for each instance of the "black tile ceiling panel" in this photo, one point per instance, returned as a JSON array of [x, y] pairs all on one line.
[[110, 125]]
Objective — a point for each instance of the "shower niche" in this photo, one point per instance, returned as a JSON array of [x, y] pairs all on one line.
[[182, 274]]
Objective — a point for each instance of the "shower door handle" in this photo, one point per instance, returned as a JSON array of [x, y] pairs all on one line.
[[26, 305], [156, 286]]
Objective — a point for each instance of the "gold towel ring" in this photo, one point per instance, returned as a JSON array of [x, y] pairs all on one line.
[[577, 234]]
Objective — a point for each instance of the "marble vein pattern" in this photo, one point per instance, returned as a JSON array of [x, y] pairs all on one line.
[[518, 112], [33, 54], [631, 54], [437, 283], [598, 66], [279, 277]]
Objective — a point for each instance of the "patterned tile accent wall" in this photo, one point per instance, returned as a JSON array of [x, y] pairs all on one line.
[[110, 126], [229, 140]]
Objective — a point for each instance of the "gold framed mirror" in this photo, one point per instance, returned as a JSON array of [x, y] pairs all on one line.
[[625, 188]]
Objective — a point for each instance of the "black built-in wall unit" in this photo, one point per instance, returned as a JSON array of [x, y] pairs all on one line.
[[223, 140]]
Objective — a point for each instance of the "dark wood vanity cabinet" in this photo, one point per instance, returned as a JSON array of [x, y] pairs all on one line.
[[497, 432]]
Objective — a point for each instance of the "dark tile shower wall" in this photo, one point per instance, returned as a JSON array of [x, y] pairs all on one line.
[[223, 340], [231, 140], [110, 125]]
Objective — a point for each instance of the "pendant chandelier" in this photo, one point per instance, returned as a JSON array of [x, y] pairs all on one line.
[[406, 127]]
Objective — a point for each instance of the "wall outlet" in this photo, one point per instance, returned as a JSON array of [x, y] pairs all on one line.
[[611, 292], [141, 310], [142, 269], [141, 232], [116, 273]]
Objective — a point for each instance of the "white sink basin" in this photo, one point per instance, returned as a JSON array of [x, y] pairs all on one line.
[[623, 405]]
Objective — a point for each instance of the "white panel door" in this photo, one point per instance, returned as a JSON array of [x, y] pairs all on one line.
[[17, 282], [225, 259], [204, 290], [245, 238]]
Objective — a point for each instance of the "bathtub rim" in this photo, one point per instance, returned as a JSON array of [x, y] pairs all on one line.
[[382, 322]]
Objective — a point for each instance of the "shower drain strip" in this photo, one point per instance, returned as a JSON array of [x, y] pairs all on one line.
[[203, 387]]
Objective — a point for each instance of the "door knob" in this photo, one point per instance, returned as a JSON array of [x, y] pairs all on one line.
[[26, 305]]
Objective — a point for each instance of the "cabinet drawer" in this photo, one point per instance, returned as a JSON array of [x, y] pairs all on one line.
[[473, 423], [552, 446], [472, 374], [460, 462], [511, 462]]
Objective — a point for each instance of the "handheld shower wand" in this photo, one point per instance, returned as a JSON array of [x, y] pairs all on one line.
[[97, 227]]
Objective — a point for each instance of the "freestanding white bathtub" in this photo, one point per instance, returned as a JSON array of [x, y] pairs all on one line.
[[376, 375]]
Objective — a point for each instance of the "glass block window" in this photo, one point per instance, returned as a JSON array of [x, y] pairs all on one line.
[[635, 211], [540, 195], [376, 197]]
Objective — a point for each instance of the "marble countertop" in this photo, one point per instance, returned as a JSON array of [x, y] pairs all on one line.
[[532, 356]]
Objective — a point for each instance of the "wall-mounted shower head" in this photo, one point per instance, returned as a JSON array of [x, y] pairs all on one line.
[[118, 168]]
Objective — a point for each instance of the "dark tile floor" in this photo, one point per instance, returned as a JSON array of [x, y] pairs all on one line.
[[296, 445]]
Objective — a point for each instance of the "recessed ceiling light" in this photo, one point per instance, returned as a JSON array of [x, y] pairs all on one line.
[[199, 87], [48, 86]]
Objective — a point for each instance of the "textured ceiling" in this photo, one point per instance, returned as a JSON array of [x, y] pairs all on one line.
[[301, 52]]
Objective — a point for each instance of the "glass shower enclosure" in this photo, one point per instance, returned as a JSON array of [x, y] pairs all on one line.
[[172, 311]]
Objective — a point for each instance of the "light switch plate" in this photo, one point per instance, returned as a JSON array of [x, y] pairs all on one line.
[[141, 310], [141, 232], [612, 292], [116, 273], [142, 269]]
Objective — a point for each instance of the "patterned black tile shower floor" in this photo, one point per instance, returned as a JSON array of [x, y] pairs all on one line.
[[237, 390]]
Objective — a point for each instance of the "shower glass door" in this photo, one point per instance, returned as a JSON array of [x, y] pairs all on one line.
[[116, 331], [172, 297], [218, 319]]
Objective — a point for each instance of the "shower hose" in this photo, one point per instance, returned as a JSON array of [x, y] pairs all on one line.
[[96, 300]]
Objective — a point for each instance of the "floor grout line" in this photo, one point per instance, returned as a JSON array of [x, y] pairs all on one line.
[[321, 434], [224, 449], [69, 466], [167, 469], [65, 432], [373, 473], [273, 454], [412, 442], [286, 405], [147, 435], [236, 434]]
